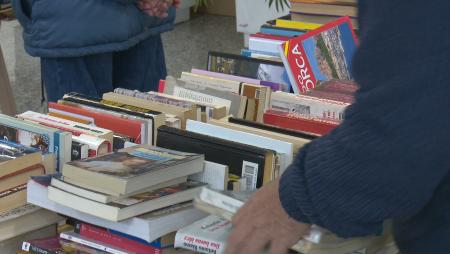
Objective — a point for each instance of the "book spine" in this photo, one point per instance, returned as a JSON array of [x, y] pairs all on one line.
[[30, 248], [196, 244], [124, 243], [79, 151], [91, 244]]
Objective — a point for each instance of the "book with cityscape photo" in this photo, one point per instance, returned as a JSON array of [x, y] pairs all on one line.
[[322, 54]]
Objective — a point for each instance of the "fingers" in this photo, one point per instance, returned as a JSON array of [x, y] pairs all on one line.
[[278, 247], [236, 238], [156, 8]]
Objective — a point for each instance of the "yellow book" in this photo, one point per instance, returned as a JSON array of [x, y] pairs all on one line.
[[296, 24]]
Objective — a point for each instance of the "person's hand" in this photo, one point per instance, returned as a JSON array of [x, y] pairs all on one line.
[[156, 8], [262, 222]]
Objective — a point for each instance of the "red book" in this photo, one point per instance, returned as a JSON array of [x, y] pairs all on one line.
[[322, 54], [102, 235], [298, 123], [161, 85], [122, 126]]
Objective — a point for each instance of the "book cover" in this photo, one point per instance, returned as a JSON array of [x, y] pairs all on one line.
[[208, 235], [322, 54], [249, 67], [10, 150], [105, 248]]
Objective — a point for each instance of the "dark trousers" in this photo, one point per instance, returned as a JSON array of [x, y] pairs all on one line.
[[139, 68]]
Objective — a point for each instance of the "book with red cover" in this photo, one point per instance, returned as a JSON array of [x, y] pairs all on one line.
[[102, 235], [122, 126], [322, 54], [299, 123], [55, 245]]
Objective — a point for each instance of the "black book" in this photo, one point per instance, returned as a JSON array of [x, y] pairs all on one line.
[[261, 126], [250, 162]]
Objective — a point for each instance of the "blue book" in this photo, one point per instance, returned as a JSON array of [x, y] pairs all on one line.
[[281, 31], [160, 243], [250, 53]]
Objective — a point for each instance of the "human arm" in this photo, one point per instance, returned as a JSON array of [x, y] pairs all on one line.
[[390, 154]]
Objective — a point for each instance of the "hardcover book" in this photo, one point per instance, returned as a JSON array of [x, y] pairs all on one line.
[[250, 162], [322, 54]]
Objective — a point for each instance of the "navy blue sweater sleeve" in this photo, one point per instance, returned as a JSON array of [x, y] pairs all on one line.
[[392, 151]]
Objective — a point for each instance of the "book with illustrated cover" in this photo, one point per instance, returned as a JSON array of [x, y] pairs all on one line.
[[46, 139], [249, 67], [75, 128], [322, 54], [134, 168]]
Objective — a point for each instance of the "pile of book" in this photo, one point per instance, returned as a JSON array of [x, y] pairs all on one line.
[[124, 169], [323, 11]]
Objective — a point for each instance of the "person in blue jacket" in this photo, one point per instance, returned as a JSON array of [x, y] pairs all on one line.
[[94, 46], [390, 157]]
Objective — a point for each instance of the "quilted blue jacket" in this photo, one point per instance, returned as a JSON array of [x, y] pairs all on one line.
[[71, 28]]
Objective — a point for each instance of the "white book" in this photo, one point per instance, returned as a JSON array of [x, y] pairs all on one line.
[[264, 45], [214, 174], [148, 227], [208, 235], [97, 146], [74, 237], [284, 149], [214, 83], [67, 125]]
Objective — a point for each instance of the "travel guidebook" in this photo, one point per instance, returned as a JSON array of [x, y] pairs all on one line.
[[322, 54]]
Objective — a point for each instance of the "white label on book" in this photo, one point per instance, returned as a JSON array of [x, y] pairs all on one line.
[[250, 174], [200, 97], [26, 246]]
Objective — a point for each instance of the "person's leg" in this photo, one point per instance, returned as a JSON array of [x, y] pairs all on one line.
[[89, 75], [141, 67]]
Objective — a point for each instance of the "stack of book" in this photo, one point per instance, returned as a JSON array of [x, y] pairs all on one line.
[[129, 201], [323, 11]]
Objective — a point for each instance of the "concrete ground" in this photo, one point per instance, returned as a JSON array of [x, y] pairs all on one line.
[[185, 47]]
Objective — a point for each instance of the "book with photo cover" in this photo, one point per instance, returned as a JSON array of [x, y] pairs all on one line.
[[56, 245], [129, 207], [249, 67], [46, 139], [322, 54], [133, 169]]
